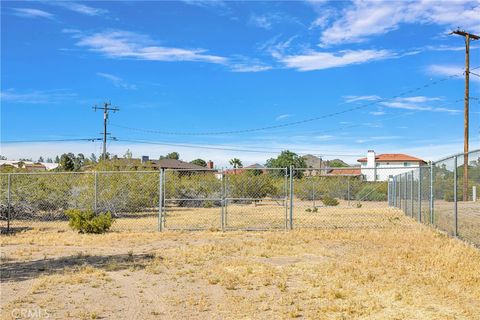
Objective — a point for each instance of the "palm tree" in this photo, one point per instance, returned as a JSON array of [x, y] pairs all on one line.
[[236, 163]]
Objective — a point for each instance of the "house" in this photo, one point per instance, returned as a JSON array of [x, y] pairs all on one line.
[[145, 163], [382, 166], [252, 167], [28, 165]]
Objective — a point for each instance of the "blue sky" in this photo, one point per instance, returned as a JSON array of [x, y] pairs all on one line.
[[191, 67]]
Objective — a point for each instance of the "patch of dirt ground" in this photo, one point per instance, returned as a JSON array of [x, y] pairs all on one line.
[[406, 273]]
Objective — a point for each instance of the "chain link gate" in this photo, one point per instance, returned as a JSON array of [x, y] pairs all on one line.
[[234, 199]]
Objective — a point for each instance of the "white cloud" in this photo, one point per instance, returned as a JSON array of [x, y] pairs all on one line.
[[378, 113], [283, 117], [79, 8], [361, 98], [124, 44], [35, 97], [418, 103], [261, 21], [32, 13], [325, 60], [363, 19], [117, 81], [450, 71]]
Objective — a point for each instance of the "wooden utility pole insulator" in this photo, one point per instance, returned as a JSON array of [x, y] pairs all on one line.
[[468, 37]]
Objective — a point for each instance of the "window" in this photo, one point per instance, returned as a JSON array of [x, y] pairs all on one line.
[[405, 164]]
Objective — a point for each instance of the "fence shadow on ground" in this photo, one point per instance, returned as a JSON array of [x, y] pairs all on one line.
[[21, 271]]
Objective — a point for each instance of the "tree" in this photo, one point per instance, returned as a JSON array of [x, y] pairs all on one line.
[[173, 155], [57, 159], [336, 163], [287, 159], [49, 160], [236, 163], [40, 159], [93, 158], [199, 162], [67, 162], [128, 154], [3, 157]]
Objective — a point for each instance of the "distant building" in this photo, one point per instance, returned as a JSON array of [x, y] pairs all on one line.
[[380, 167], [145, 163], [28, 165], [252, 167]]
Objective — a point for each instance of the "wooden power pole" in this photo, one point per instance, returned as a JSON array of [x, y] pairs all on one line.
[[468, 37], [106, 107]]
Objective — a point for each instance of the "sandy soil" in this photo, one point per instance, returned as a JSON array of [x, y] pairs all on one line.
[[407, 272]]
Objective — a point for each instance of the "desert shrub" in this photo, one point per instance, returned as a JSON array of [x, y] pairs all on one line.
[[329, 201], [372, 193], [89, 222]]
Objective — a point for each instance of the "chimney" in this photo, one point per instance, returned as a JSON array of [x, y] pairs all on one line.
[[210, 164], [371, 159], [145, 159]]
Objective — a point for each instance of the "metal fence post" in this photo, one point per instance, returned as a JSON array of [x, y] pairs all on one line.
[[291, 197], [223, 203], [406, 193], [287, 195], [411, 193], [160, 200], [395, 191], [455, 198], [95, 192], [431, 194], [420, 194], [8, 201]]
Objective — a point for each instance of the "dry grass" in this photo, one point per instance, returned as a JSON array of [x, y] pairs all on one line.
[[410, 272]]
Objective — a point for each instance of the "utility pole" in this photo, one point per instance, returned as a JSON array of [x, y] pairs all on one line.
[[106, 107], [468, 37]]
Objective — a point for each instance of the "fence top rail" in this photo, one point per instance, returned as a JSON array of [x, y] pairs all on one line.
[[75, 172], [455, 155], [362, 168]]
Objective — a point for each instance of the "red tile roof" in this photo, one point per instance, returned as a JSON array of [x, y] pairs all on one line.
[[393, 157], [345, 172]]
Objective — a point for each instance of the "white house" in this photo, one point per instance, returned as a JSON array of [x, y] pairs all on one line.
[[382, 166]]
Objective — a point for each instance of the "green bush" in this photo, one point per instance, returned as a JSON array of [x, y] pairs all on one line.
[[89, 222], [372, 193], [329, 201]]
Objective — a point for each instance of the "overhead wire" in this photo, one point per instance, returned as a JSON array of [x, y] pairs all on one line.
[[294, 123]]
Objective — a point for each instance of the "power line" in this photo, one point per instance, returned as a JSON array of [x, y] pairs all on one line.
[[52, 140], [226, 148], [294, 123]]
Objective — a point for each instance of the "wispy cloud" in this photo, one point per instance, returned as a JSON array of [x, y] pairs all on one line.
[[117, 81], [377, 113], [364, 19], [204, 3], [361, 98], [418, 103], [79, 8], [283, 117], [36, 97], [124, 44], [324, 60], [449, 70], [32, 13], [261, 21], [378, 138]]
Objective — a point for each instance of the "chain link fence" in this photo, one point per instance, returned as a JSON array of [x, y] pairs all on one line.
[[442, 195], [252, 198]]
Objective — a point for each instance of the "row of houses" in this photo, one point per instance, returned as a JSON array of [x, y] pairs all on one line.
[[371, 168]]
